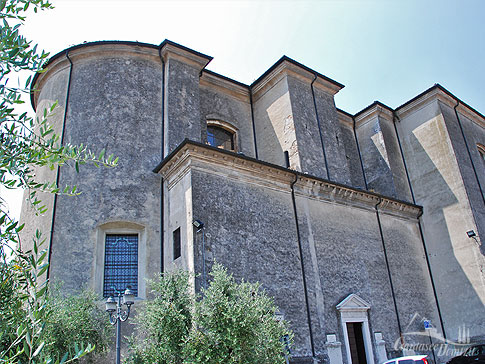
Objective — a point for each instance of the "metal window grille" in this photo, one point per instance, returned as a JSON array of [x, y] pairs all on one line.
[[120, 264]]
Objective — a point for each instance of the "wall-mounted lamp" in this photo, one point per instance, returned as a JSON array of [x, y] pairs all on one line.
[[199, 225], [471, 234]]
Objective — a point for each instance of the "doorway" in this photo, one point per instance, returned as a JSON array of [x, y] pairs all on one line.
[[356, 342]]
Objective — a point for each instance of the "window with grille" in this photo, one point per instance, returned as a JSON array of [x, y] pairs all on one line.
[[120, 264], [220, 138]]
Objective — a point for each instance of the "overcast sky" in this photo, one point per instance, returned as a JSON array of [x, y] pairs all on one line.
[[380, 50]]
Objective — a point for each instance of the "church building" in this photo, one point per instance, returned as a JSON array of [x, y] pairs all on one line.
[[366, 229]]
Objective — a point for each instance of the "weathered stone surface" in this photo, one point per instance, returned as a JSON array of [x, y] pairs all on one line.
[[214, 104], [332, 138], [311, 260], [108, 99], [438, 185]]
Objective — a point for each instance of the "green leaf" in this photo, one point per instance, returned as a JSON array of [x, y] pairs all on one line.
[[39, 349]]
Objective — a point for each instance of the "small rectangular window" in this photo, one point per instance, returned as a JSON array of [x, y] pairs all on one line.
[[120, 264], [176, 244]]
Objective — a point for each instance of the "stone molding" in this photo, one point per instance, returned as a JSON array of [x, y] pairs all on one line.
[[288, 68], [219, 83], [436, 93], [190, 155], [353, 303], [375, 111], [91, 52], [171, 50], [345, 118]]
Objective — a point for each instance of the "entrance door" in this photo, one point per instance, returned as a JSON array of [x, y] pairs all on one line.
[[356, 342]]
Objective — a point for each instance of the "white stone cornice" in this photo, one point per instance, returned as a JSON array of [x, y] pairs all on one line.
[[94, 51], [425, 99], [193, 156], [286, 68], [434, 94], [173, 51], [327, 191], [226, 165], [345, 119], [353, 303], [221, 84], [471, 114], [371, 113]]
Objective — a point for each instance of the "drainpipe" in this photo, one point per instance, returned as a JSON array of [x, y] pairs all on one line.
[[431, 274], [421, 234], [300, 250], [162, 153], [389, 270], [252, 120], [58, 167], [468, 150], [358, 151], [319, 128], [402, 156]]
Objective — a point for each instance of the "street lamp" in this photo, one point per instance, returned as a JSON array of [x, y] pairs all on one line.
[[117, 314]]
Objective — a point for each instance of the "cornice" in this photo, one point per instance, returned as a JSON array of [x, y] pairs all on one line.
[[230, 166], [345, 195], [286, 66], [196, 156], [90, 51], [345, 118], [373, 111], [470, 114], [423, 100], [214, 81], [171, 50]]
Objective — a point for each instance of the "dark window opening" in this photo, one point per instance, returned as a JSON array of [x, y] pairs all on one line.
[[220, 138], [356, 342], [120, 264], [287, 159], [177, 249]]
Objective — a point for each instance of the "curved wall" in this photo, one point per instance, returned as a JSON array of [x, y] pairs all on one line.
[[114, 103]]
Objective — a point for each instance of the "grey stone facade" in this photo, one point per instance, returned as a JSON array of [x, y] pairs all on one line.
[[346, 220]]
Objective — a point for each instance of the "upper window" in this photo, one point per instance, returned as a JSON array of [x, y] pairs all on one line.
[[120, 264], [221, 134], [220, 138]]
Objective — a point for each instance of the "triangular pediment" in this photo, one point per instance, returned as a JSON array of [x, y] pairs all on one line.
[[353, 303]]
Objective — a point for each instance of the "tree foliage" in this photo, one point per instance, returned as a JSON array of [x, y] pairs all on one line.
[[229, 323], [74, 318], [27, 144]]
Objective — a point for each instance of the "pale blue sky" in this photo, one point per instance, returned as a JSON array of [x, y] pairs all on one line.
[[380, 50]]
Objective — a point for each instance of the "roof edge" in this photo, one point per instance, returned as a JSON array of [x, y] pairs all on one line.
[[298, 64], [158, 168]]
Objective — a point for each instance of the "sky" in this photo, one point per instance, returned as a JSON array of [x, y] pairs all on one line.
[[385, 50]]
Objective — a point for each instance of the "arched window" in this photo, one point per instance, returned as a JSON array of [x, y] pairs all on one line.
[[221, 135]]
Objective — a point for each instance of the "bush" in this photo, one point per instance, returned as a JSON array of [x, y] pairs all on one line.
[[229, 322], [75, 319]]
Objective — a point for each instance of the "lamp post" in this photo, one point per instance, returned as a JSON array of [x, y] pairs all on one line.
[[285, 339], [117, 314]]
